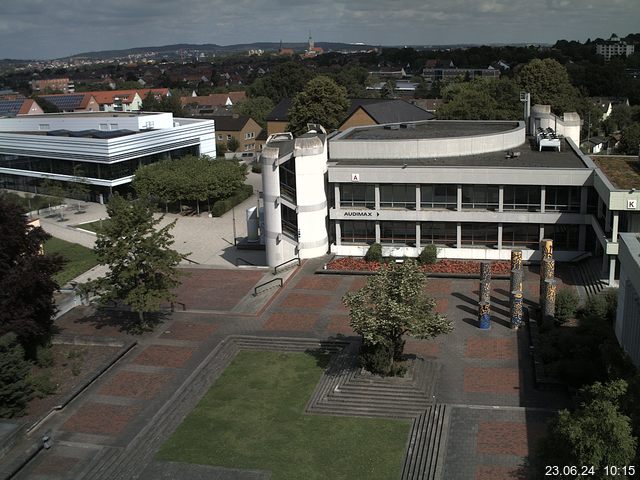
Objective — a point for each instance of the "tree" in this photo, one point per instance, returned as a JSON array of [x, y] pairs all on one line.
[[393, 304], [257, 108], [596, 434], [388, 89], [233, 144], [165, 104], [322, 101], [549, 84], [481, 99], [630, 141], [285, 81], [142, 266], [15, 389], [78, 187], [26, 279]]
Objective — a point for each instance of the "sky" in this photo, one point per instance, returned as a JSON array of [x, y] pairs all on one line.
[[40, 29]]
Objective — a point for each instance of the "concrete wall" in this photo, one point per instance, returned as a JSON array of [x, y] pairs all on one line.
[[627, 327], [86, 121], [429, 147]]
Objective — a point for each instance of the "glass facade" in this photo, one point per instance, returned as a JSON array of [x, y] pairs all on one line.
[[439, 196], [357, 233], [102, 171], [481, 197], [521, 197], [288, 180], [562, 199], [357, 195], [398, 196], [438, 233], [289, 222], [526, 235], [565, 237], [398, 233], [480, 235]]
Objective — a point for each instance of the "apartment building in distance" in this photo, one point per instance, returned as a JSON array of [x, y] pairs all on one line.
[[614, 47], [62, 85]]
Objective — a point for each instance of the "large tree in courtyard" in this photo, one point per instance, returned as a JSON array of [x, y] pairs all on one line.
[[393, 304], [322, 101], [596, 434], [549, 84], [142, 266], [26, 279]]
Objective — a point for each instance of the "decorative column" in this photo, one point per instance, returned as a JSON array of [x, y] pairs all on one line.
[[549, 306], [484, 310], [516, 309], [547, 268], [484, 316], [517, 276]]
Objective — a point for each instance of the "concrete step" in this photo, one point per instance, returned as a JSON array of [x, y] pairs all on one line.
[[427, 443]]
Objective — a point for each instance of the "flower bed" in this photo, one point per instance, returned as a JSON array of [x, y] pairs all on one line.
[[468, 267]]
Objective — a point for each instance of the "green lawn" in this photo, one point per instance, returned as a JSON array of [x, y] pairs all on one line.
[[252, 418], [92, 226], [80, 259]]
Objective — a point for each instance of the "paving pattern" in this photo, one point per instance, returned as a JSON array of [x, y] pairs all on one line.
[[476, 412]]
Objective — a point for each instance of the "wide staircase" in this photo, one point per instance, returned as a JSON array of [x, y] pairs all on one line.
[[588, 275]]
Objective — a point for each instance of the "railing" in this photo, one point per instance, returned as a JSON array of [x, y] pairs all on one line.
[[247, 262], [255, 290], [275, 269]]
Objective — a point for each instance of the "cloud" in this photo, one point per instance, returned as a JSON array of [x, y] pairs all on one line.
[[44, 28]]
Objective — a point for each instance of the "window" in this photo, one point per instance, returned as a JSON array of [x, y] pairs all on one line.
[[439, 196], [565, 237], [398, 196], [289, 222], [398, 233], [522, 197], [562, 199], [520, 235], [249, 135], [438, 233], [44, 126], [479, 234], [228, 137], [481, 197], [220, 137], [358, 233], [357, 195], [288, 180]]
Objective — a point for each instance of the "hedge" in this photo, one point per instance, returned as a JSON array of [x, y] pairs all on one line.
[[240, 195]]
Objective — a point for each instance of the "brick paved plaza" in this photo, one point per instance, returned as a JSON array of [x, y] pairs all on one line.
[[485, 376]]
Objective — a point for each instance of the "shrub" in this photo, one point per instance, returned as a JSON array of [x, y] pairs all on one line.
[[602, 306], [15, 389], [428, 255], [239, 196], [42, 385], [256, 167], [44, 356], [374, 254], [566, 304]]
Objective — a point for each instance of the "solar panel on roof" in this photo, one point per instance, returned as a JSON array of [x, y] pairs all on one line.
[[10, 107]]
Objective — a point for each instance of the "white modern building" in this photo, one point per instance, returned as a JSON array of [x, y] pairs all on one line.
[[476, 189], [106, 148], [627, 327]]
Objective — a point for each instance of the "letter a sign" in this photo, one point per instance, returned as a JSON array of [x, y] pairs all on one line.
[[355, 177]]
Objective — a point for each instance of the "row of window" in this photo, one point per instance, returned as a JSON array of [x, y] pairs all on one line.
[[104, 171], [445, 234], [482, 197]]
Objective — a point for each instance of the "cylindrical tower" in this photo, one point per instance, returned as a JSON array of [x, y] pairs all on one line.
[[272, 216]]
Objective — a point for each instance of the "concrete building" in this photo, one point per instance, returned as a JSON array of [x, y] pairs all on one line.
[[106, 147], [627, 327], [476, 189], [614, 47]]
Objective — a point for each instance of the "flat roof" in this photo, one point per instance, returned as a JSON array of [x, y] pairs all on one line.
[[622, 172], [529, 157], [428, 129], [95, 114]]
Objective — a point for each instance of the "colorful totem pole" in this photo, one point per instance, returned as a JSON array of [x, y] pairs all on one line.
[[484, 310], [549, 307], [516, 289]]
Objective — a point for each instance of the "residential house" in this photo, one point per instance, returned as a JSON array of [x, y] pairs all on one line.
[[241, 127], [19, 107], [214, 104], [73, 102], [278, 118], [377, 111]]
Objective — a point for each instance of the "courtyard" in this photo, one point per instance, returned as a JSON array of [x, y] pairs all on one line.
[[204, 396]]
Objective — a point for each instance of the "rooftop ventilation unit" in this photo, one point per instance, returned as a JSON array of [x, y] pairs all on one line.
[[410, 126], [393, 126]]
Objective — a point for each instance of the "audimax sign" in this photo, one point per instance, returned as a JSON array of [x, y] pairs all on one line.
[[360, 213]]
